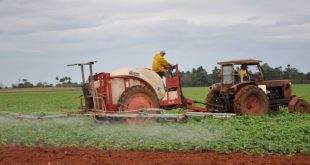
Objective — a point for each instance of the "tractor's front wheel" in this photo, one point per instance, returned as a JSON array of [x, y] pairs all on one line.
[[251, 100], [211, 98], [215, 103], [298, 105]]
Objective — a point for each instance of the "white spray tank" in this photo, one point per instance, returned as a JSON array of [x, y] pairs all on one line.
[[149, 76]]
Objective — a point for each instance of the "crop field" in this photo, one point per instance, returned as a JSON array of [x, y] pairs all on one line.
[[40, 100], [276, 133]]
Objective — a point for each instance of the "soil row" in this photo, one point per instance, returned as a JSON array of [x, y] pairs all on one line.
[[72, 155]]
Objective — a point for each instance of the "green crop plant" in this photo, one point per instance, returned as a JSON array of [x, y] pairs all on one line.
[[276, 133]]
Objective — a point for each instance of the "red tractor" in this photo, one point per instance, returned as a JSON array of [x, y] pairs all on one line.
[[254, 95], [129, 91]]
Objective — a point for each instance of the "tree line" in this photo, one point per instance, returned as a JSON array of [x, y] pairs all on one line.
[[197, 77], [63, 82], [200, 77]]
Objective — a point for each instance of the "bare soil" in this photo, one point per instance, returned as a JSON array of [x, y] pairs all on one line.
[[71, 155]]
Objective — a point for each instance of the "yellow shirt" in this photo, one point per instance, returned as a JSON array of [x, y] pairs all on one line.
[[242, 73], [159, 63]]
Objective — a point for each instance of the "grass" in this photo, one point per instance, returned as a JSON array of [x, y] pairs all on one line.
[[67, 99], [275, 133], [302, 90], [58, 100], [40, 100], [196, 93]]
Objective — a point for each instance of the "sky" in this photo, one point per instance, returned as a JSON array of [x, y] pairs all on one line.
[[38, 38]]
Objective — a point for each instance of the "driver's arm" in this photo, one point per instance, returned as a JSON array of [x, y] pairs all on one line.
[[164, 62]]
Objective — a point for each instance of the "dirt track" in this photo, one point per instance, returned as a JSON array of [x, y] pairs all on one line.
[[49, 156]]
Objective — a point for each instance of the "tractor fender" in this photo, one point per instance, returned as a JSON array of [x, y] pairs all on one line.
[[237, 87]]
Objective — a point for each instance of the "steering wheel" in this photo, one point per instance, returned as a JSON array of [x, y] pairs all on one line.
[[170, 70], [255, 77]]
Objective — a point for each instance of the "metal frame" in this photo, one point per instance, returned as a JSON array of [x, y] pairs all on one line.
[[172, 83], [93, 93], [102, 97]]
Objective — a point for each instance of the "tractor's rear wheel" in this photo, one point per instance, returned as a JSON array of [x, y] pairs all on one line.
[[137, 97], [299, 105], [251, 100]]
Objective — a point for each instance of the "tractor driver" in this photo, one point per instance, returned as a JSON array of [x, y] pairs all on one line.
[[243, 73], [160, 64]]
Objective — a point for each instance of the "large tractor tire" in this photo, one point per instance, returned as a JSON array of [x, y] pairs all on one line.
[[136, 98], [251, 100], [298, 105]]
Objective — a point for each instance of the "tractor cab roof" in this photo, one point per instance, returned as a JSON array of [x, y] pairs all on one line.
[[240, 62]]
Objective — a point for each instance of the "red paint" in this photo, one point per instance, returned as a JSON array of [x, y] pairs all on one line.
[[138, 101]]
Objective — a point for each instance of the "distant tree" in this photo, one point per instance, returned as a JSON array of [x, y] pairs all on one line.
[[215, 75], [40, 85], [272, 73], [286, 73], [200, 77], [43, 85], [1, 85], [278, 73], [24, 84], [186, 79], [61, 80], [307, 76], [196, 77], [291, 73], [66, 82], [47, 84]]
